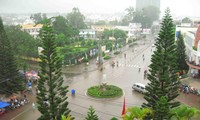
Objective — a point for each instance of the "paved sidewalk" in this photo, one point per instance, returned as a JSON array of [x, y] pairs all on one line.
[[190, 99], [191, 82]]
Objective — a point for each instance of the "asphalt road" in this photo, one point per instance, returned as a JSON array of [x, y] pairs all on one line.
[[123, 76]]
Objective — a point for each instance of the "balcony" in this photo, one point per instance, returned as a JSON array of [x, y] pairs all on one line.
[[192, 64]]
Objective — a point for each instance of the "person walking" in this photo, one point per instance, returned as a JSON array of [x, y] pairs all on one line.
[[33, 105]]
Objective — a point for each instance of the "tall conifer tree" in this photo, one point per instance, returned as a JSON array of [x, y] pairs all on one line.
[[182, 65], [10, 81], [91, 115], [163, 69], [52, 95]]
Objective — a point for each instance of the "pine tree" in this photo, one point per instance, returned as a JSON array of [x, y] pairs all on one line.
[[52, 98], [182, 65], [162, 111], [10, 81], [91, 114], [163, 68]]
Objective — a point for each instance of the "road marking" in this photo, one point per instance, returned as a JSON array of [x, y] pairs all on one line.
[[22, 113]]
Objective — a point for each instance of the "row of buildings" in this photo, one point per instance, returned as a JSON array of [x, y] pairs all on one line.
[[191, 36], [91, 33]]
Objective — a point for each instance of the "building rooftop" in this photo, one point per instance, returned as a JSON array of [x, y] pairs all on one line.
[[29, 26], [197, 37]]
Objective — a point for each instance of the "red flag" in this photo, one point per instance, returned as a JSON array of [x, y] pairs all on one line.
[[124, 107]]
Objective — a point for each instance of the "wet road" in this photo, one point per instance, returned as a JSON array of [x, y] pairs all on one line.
[[86, 76], [123, 76]]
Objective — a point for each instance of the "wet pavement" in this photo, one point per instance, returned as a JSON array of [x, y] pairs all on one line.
[[81, 77]]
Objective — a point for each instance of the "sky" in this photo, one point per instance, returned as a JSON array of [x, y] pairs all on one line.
[[177, 7]]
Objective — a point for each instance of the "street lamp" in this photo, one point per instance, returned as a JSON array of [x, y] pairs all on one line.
[[100, 59]]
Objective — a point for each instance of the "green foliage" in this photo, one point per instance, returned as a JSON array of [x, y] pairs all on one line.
[[85, 60], [82, 43], [137, 113], [21, 42], [184, 112], [130, 41], [107, 33], [119, 34], [130, 13], [117, 52], [38, 17], [103, 54], [194, 48], [162, 111], [182, 65], [76, 19], [50, 84], [116, 33], [91, 115], [114, 118], [146, 16], [61, 26], [100, 22], [109, 92], [163, 68], [68, 117], [9, 76], [106, 57], [186, 20]]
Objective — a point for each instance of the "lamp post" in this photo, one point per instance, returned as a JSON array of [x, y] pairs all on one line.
[[100, 58]]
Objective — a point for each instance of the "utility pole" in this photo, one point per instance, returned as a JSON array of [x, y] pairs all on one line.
[[100, 58]]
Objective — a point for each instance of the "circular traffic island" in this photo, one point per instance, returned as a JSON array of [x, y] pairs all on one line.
[[104, 91]]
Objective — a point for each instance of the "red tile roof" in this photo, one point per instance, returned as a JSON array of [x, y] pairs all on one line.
[[197, 37]]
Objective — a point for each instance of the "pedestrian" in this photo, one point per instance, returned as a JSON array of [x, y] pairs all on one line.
[[33, 105], [125, 55]]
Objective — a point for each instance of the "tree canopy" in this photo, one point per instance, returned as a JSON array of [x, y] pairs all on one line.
[[38, 17], [163, 68], [22, 43], [76, 19], [186, 20], [52, 98], [181, 57], [146, 16], [9, 76]]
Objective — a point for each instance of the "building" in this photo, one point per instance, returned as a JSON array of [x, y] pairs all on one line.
[[192, 44], [101, 28], [32, 29], [87, 33], [140, 4]]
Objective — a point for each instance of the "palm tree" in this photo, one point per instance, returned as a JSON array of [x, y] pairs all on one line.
[[137, 112], [184, 112], [68, 117], [130, 13]]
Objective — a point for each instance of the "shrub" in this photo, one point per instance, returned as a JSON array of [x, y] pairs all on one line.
[[106, 57], [117, 52], [194, 48], [109, 92], [85, 60]]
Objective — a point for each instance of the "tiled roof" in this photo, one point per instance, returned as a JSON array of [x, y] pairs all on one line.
[[197, 37], [28, 26]]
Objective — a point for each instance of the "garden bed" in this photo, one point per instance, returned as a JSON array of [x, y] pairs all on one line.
[[105, 91]]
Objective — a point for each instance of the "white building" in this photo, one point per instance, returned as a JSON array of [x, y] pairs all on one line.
[[87, 33], [132, 30], [32, 29], [192, 44]]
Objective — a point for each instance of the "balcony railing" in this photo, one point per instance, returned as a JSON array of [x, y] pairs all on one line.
[[192, 64]]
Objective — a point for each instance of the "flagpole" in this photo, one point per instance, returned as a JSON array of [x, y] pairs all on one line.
[[124, 108]]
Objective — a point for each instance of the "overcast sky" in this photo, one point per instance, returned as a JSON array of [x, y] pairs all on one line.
[[178, 7]]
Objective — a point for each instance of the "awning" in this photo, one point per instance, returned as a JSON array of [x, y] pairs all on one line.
[[3, 104]]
